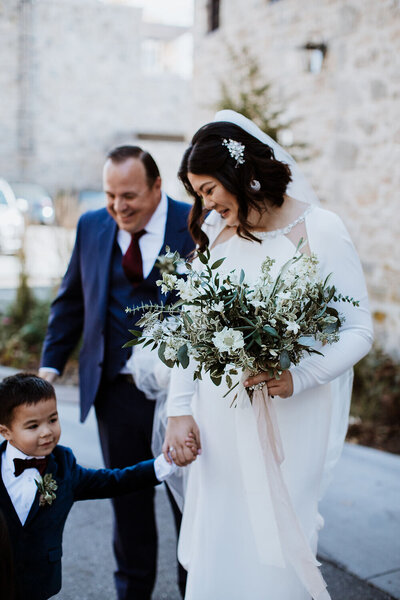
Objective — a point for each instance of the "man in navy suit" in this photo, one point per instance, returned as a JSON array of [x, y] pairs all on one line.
[[139, 221], [36, 517]]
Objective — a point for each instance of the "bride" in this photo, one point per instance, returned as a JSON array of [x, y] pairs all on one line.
[[235, 540]]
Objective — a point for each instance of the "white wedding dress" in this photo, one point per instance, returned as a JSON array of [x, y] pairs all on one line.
[[229, 534]]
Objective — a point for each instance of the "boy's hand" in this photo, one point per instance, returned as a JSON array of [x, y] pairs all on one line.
[[190, 442]]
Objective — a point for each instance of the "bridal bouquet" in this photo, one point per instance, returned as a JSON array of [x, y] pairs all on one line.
[[227, 324]]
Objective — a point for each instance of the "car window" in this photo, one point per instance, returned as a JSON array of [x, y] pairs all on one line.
[[2, 198]]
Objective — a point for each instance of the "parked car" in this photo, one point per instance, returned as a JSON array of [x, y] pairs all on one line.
[[35, 202], [12, 224], [91, 200]]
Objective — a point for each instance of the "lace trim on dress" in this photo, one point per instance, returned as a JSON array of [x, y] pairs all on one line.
[[284, 230]]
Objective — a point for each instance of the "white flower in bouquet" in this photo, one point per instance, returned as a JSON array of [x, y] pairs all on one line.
[[228, 340], [187, 289], [292, 326]]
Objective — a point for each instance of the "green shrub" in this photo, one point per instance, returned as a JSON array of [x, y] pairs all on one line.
[[376, 390], [376, 403]]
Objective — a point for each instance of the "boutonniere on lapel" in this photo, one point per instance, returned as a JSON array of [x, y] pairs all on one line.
[[46, 486], [171, 263]]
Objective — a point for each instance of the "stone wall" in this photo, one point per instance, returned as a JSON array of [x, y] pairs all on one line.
[[9, 97], [82, 91], [348, 114]]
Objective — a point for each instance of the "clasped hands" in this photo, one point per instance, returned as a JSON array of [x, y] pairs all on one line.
[[182, 439]]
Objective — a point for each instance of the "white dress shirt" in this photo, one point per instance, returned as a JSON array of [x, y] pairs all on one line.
[[22, 489], [151, 242]]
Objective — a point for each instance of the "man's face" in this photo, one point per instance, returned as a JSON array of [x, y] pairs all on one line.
[[130, 201], [35, 428]]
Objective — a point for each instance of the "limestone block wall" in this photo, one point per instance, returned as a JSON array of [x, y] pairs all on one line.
[[9, 97], [88, 91], [348, 114]]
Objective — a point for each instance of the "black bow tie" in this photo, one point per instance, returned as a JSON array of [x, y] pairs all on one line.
[[21, 464]]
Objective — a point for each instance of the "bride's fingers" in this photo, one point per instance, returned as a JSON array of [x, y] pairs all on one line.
[[165, 451], [263, 376], [196, 433], [282, 387], [182, 456]]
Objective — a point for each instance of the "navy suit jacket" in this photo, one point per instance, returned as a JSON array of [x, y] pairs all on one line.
[[37, 544], [81, 303]]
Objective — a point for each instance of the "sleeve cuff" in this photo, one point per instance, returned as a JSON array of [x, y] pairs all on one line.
[[162, 469], [296, 380], [43, 370]]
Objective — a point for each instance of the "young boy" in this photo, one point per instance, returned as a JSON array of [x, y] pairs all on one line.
[[36, 515]]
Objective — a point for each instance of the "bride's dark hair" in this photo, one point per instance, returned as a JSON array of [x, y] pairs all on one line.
[[208, 156]]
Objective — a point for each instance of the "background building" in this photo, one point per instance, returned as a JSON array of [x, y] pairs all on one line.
[[80, 76], [333, 69]]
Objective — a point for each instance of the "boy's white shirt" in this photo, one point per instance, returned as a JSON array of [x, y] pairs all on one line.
[[22, 489]]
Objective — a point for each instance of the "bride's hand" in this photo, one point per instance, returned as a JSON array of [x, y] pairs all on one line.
[[282, 387], [178, 430]]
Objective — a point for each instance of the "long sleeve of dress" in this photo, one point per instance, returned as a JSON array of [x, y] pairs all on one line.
[[181, 391], [330, 241]]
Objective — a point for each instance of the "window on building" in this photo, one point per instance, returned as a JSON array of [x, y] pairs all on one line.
[[213, 14], [315, 56], [152, 63]]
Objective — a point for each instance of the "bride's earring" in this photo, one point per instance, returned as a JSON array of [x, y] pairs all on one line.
[[255, 185]]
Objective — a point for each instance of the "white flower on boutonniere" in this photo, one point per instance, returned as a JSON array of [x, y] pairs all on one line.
[[46, 486]]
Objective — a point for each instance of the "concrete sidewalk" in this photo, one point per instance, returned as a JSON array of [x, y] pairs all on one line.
[[359, 545]]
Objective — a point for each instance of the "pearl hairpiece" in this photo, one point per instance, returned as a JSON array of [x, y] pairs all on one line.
[[236, 150]]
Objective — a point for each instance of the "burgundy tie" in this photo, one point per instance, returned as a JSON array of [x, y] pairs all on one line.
[[21, 464], [132, 259]]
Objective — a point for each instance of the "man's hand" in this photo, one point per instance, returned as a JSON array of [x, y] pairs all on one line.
[[49, 376], [282, 387], [179, 431]]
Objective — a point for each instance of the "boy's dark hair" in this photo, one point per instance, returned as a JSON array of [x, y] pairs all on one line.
[[22, 388]]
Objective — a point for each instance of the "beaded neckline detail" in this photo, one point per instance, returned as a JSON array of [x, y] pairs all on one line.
[[285, 230]]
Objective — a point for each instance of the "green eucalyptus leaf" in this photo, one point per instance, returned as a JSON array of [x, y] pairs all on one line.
[[202, 258], [284, 360], [134, 342], [183, 356], [216, 380], [271, 330], [217, 263]]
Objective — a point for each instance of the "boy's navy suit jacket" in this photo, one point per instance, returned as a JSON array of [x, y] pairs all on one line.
[[38, 543], [81, 303]]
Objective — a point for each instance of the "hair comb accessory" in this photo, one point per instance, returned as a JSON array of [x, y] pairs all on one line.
[[236, 150], [255, 185]]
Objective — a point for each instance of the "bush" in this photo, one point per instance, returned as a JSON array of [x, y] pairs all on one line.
[[375, 406], [22, 332]]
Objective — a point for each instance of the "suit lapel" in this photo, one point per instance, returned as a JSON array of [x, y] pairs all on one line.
[[170, 238], [106, 239], [51, 468]]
